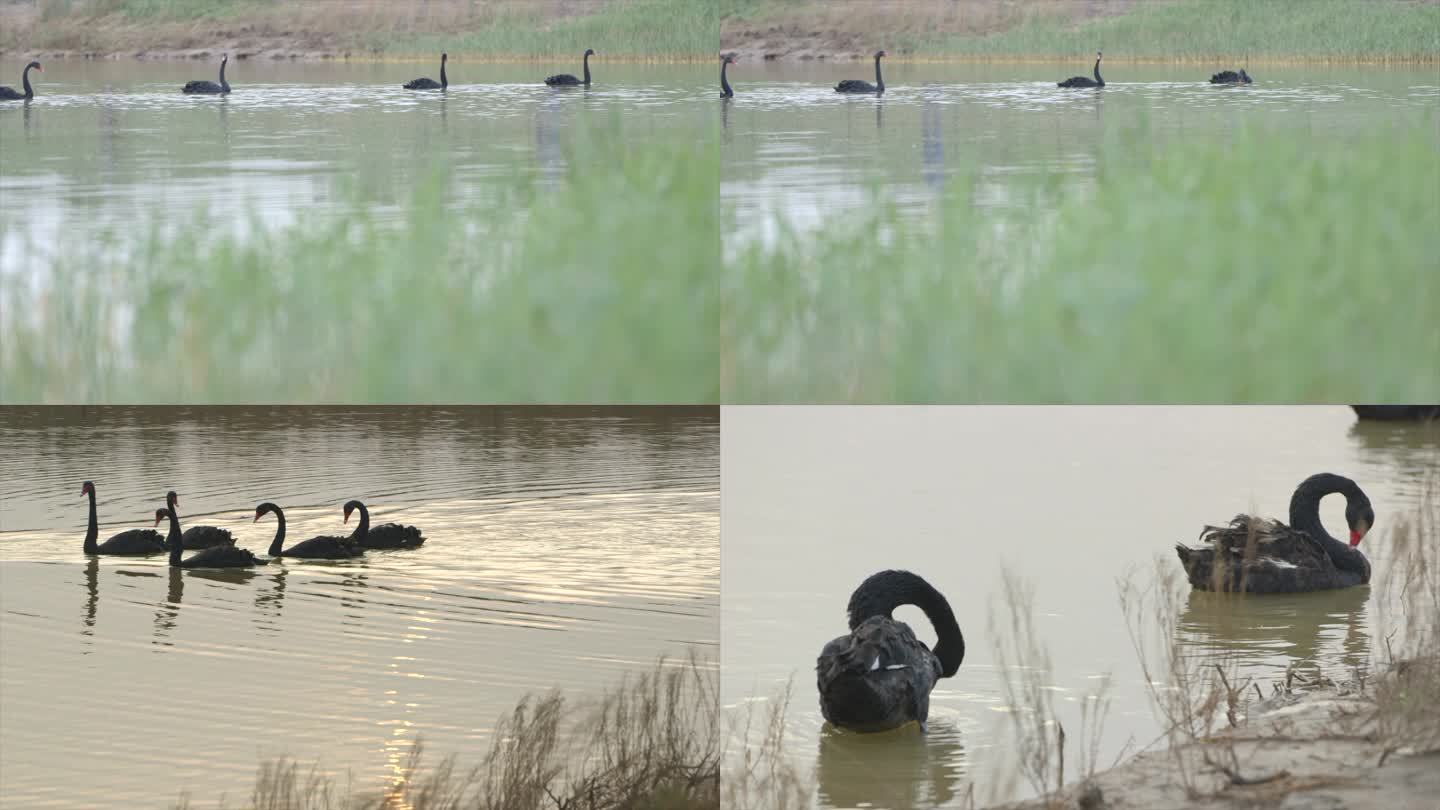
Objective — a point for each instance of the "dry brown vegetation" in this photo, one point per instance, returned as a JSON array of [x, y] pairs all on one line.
[[651, 743]]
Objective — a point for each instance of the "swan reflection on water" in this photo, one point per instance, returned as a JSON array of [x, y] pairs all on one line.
[[1323, 631], [896, 770]]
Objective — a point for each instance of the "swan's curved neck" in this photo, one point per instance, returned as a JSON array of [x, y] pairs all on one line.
[[882, 593], [879, 80], [30, 93], [279, 541], [1305, 516], [444, 82], [724, 84], [92, 530], [587, 68], [173, 539], [363, 528], [223, 84], [1098, 80]]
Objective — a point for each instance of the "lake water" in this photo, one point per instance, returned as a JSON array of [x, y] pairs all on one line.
[[114, 147], [566, 548], [1070, 499], [797, 154]]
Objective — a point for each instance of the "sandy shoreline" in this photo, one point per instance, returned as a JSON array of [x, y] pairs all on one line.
[[1318, 751]]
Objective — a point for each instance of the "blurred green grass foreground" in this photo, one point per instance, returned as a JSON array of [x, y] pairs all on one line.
[[1276, 266], [598, 287]]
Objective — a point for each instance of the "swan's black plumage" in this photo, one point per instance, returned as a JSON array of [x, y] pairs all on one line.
[[725, 89], [210, 87], [322, 548], [387, 535], [133, 541], [858, 86], [7, 93], [213, 557], [1231, 77], [880, 675], [428, 83], [567, 80], [198, 537], [1397, 413], [1085, 81], [1255, 555]]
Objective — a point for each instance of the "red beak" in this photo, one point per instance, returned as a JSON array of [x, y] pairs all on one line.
[[1355, 537], [257, 518]]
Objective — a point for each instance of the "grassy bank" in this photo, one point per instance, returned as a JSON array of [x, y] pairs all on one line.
[[599, 287], [1202, 31], [662, 30], [1273, 267], [648, 744]]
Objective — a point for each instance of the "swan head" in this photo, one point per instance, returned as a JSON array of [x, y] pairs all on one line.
[[172, 500], [263, 509], [728, 59], [589, 51], [35, 66], [351, 506], [87, 488], [880, 53], [161, 514], [1360, 517], [1099, 55]]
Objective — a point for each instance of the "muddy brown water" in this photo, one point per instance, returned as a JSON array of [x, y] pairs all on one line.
[[1071, 500], [566, 548]]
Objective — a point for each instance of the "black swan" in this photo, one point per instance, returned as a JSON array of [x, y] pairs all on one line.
[[1231, 77], [213, 557], [725, 90], [566, 80], [198, 537], [858, 86], [1255, 555], [133, 541], [321, 548], [7, 93], [1397, 413], [430, 84], [388, 535], [200, 86], [1083, 81], [879, 676]]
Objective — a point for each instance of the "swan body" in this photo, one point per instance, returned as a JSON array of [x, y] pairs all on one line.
[[132, 541], [567, 80], [213, 557], [1231, 77], [389, 535], [321, 548], [1085, 81], [879, 676], [431, 84], [725, 89], [1397, 413], [198, 537], [858, 86], [7, 93], [204, 87], [1256, 555]]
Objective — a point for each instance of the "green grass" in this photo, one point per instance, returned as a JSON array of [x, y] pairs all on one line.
[[628, 28], [666, 30], [1274, 267], [1192, 30], [603, 288]]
